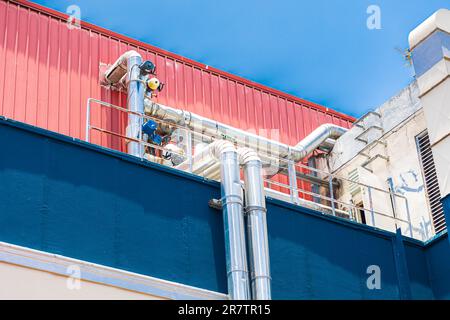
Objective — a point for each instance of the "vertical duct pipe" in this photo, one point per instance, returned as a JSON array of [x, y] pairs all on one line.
[[233, 218], [136, 91], [255, 207], [128, 64]]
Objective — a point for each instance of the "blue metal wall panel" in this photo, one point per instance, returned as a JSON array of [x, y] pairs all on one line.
[[321, 259], [401, 266], [446, 205], [418, 271], [84, 204], [78, 200], [438, 259]]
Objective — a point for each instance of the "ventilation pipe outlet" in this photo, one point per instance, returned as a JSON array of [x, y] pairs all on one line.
[[255, 208]]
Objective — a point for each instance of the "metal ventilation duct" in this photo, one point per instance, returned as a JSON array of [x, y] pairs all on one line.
[[255, 210], [233, 217], [128, 66], [263, 146]]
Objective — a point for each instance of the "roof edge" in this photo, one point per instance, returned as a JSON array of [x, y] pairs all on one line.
[[138, 43]]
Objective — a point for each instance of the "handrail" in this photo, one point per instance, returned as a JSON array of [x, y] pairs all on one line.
[[280, 184], [300, 165]]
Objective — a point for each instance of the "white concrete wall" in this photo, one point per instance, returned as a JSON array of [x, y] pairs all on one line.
[[403, 119], [406, 172], [393, 112], [30, 274], [17, 282], [436, 104], [434, 84]]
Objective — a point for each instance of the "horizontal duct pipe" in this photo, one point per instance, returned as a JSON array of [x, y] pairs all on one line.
[[205, 164], [114, 74], [324, 134]]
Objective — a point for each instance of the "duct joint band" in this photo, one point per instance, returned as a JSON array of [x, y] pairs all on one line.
[[228, 200], [254, 163], [261, 277], [249, 209], [237, 271]]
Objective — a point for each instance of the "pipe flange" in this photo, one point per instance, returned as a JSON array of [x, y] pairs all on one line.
[[225, 200]]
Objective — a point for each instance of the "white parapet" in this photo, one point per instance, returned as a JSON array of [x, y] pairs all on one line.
[[430, 45], [31, 274]]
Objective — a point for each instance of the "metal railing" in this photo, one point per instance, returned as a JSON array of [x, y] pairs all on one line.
[[335, 206], [398, 216]]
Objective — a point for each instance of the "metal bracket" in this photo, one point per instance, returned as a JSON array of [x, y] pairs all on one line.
[[215, 204]]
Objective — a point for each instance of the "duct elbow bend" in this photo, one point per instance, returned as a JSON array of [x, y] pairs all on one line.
[[118, 69], [333, 131], [219, 147], [311, 142], [246, 155], [128, 55]]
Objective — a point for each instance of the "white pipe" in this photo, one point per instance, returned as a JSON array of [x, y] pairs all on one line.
[[255, 208]]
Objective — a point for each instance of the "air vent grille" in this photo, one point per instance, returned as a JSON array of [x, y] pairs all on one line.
[[431, 182]]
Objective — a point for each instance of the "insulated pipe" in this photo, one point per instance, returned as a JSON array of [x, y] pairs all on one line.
[[128, 65], [242, 138], [233, 217], [201, 162], [205, 164], [319, 136], [255, 208]]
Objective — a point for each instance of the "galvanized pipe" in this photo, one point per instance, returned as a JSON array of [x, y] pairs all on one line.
[[255, 208], [233, 217], [263, 146], [320, 135], [205, 164], [200, 162], [128, 65]]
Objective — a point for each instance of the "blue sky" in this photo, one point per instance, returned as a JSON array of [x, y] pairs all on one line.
[[318, 50]]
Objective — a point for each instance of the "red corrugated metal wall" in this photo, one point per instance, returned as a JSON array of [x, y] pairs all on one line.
[[48, 71]]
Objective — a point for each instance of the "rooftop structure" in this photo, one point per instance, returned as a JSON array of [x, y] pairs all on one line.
[[153, 176]]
